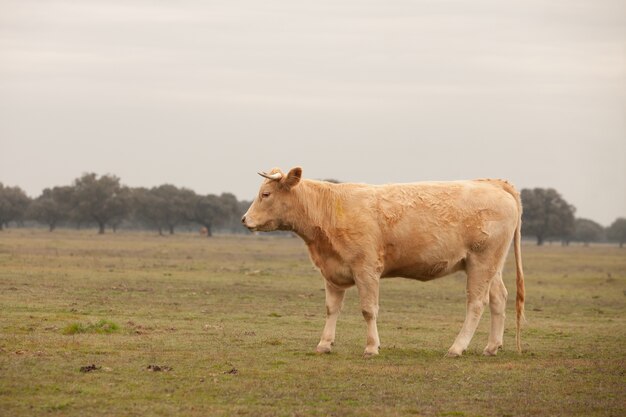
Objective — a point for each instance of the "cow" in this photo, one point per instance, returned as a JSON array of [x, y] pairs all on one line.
[[357, 234]]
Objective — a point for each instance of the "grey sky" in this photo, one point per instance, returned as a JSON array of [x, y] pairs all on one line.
[[203, 94]]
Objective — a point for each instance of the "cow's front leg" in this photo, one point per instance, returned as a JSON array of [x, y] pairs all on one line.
[[334, 302], [368, 293]]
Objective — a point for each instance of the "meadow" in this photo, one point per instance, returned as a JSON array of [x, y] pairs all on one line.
[[133, 324]]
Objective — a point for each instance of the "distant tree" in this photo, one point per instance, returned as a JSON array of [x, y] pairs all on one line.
[[616, 232], [212, 210], [13, 204], [586, 231], [546, 215], [146, 208], [124, 206], [100, 200], [52, 206], [163, 207], [232, 215], [173, 204]]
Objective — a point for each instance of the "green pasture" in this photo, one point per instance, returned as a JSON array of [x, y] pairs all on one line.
[[227, 326]]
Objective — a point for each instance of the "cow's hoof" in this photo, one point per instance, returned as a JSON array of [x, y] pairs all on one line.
[[370, 353], [453, 354], [322, 349], [491, 351]]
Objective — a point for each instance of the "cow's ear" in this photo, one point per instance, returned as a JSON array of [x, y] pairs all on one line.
[[293, 178]]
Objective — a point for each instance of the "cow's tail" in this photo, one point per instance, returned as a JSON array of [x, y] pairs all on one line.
[[519, 299], [517, 242]]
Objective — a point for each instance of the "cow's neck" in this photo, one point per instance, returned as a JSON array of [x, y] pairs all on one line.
[[315, 216]]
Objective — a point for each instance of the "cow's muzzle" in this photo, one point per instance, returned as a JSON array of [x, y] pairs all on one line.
[[247, 226]]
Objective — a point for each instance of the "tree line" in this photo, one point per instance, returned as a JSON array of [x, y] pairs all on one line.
[[104, 201]]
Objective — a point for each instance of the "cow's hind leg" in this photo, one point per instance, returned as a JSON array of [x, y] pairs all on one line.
[[368, 286], [334, 302], [497, 304], [479, 277]]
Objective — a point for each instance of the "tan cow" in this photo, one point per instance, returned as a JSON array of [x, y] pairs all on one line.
[[358, 234]]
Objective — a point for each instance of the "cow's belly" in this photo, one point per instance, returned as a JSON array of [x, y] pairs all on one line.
[[425, 271], [424, 256]]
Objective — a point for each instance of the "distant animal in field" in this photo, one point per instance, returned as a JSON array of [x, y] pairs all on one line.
[[358, 233]]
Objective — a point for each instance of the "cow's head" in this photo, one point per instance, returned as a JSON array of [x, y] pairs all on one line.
[[275, 205]]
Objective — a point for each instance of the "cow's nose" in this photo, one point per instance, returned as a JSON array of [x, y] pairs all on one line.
[[243, 220]]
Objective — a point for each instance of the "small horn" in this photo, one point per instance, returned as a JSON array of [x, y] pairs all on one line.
[[274, 177]]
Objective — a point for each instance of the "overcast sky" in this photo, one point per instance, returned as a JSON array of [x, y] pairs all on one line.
[[203, 94]]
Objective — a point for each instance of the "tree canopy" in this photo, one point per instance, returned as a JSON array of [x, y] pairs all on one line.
[[52, 206], [587, 231], [101, 200], [616, 232], [546, 214], [13, 204], [211, 210], [162, 207]]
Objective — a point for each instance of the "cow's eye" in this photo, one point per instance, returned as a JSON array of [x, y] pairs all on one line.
[[265, 194]]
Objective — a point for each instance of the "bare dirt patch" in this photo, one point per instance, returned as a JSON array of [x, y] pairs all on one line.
[[159, 368], [89, 368]]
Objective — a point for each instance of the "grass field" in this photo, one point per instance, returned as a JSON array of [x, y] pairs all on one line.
[[184, 325]]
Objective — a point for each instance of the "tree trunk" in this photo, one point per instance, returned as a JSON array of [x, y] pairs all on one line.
[[114, 226], [1, 228], [160, 231], [621, 243], [209, 233], [101, 230], [171, 230], [52, 227], [539, 240]]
